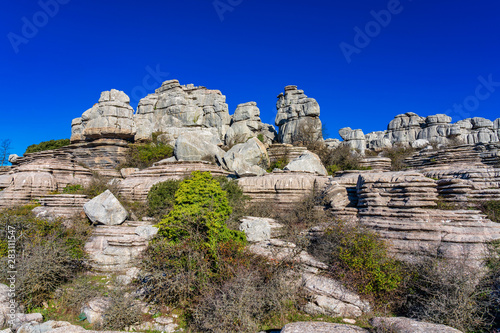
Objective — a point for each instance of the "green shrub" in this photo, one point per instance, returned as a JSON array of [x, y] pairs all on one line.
[[236, 199], [341, 158], [161, 197], [201, 205], [143, 155], [491, 209], [360, 259], [261, 138], [73, 189], [47, 145], [98, 185], [278, 164]]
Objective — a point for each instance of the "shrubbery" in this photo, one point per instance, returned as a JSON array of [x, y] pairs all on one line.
[[161, 197], [144, 155], [398, 154], [360, 259], [47, 254], [491, 209], [47, 145]]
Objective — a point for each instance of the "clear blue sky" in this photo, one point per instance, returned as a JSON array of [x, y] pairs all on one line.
[[425, 60]]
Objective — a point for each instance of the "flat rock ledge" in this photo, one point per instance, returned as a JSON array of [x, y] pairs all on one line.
[[319, 327], [407, 325]]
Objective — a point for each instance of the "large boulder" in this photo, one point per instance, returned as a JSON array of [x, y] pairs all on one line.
[[256, 229], [246, 124], [298, 117], [111, 117], [247, 159], [353, 138], [406, 325], [95, 308], [105, 209], [198, 146], [307, 162], [319, 327]]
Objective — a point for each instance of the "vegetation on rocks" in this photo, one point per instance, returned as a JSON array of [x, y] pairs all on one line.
[[144, 155], [398, 153], [161, 197], [491, 209], [47, 145]]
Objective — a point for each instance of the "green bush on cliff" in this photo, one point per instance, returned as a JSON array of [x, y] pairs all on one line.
[[161, 197], [47, 145]]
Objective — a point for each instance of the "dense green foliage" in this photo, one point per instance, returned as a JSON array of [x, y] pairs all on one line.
[[47, 145], [278, 164], [236, 199], [143, 155], [491, 209], [201, 205], [72, 189], [360, 259], [161, 197]]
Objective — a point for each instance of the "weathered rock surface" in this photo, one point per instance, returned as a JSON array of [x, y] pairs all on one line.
[[111, 117], [247, 159], [284, 152], [174, 106], [95, 308], [406, 325], [319, 327], [52, 326], [246, 124], [354, 139], [307, 162], [298, 117], [258, 229], [65, 206], [136, 187], [105, 209], [281, 189], [116, 249], [198, 146]]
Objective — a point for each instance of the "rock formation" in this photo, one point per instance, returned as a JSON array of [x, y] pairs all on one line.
[[246, 124], [247, 159], [174, 107], [298, 117]]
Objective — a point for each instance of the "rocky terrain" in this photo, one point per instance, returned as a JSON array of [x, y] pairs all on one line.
[[453, 163]]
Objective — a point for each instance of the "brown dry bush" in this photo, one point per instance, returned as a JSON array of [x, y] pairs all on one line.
[[451, 292], [122, 312], [398, 153]]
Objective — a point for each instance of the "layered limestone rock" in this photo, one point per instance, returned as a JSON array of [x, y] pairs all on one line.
[[111, 117], [136, 187], [39, 174], [174, 107], [116, 249], [246, 124], [319, 327], [284, 152], [298, 117], [247, 159], [407, 325], [198, 146], [398, 205], [307, 162], [353, 138], [65, 206], [281, 189]]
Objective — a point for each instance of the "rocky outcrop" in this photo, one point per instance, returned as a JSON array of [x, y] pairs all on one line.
[[284, 152], [52, 326], [198, 146], [111, 117], [105, 209], [174, 106], [319, 327], [259, 229], [136, 187], [281, 189], [298, 117], [307, 162], [406, 325], [65, 206], [35, 176], [246, 124], [354, 139], [247, 159], [117, 248]]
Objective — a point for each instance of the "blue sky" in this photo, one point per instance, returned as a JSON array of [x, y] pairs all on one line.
[[418, 56]]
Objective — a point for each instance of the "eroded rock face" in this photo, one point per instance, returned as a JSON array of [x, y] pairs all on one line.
[[406, 325], [246, 124], [198, 146], [105, 209], [307, 162], [298, 117], [247, 159], [111, 117], [319, 327], [353, 138], [174, 106]]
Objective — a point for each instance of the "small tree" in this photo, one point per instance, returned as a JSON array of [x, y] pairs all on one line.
[[5, 147]]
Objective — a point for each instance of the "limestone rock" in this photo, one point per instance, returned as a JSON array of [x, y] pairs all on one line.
[[198, 146], [13, 158], [174, 107], [246, 124], [105, 209], [249, 158], [406, 325], [319, 327], [95, 308], [147, 232], [308, 162], [256, 229], [354, 139], [111, 117], [298, 117], [52, 326], [420, 143], [65, 206]]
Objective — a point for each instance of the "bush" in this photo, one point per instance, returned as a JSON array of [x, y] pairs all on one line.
[[278, 164], [47, 254], [73, 189], [360, 259], [398, 153], [122, 312], [491, 209], [47, 145], [449, 292], [161, 197], [202, 206], [236, 199], [143, 155], [98, 185], [339, 159]]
